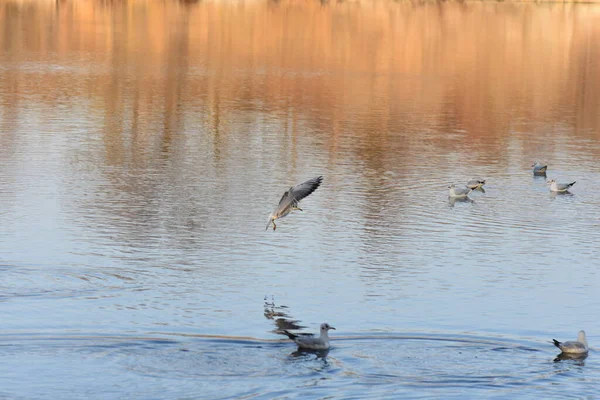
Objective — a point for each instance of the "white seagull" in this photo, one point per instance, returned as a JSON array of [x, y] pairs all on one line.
[[458, 192], [310, 341], [290, 199], [559, 187], [578, 347]]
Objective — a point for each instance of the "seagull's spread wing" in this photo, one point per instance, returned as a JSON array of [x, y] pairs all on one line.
[[293, 195], [304, 189], [298, 192], [282, 207], [284, 198]]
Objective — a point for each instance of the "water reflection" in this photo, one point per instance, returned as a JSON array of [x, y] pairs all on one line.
[[453, 200], [566, 193], [578, 359], [306, 354], [279, 315]]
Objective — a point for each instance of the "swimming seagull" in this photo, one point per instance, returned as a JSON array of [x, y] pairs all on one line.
[[475, 183], [539, 168], [559, 187], [458, 192], [578, 347], [289, 200], [310, 341]]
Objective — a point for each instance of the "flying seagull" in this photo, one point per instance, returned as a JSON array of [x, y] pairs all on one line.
[[310, 341], [559, 187], [290, 199], [578, 347]]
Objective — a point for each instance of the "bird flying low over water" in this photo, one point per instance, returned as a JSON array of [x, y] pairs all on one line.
[[290, 199], [559, 187], [312, 342], [578, 347]]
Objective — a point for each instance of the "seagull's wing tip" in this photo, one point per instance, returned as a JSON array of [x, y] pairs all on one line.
[[290, 335]]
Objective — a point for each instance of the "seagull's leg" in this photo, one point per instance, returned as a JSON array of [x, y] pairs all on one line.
[[274, 226]]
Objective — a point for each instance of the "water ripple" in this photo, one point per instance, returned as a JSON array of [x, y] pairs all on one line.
[[356, 366]]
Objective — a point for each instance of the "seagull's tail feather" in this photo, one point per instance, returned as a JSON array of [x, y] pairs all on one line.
[[556, 343], [290, 335], [572, 183]]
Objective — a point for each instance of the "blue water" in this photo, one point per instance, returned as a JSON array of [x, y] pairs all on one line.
[[134, 262]]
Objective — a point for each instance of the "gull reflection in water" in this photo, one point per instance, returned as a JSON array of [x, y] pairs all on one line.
[[566, 193], [307, 353], [577, 358], [454, 200]]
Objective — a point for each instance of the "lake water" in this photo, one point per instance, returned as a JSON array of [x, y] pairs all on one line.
[[143, 145]]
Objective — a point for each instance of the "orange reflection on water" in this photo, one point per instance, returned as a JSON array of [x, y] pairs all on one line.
[[478, 67]]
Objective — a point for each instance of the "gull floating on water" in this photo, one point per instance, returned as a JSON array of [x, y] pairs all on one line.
[[458, 192], [310, 341], [559, 187], [475, 183], [290, 199], [578, 347], [539, 168]]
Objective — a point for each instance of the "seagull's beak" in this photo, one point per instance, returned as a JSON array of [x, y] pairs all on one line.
[[331, 327]]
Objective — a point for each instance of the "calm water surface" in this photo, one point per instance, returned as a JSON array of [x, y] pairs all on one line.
[[143, 145]]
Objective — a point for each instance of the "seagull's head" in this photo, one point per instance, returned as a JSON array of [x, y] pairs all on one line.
[[551, 181], [533, 165], [451, 186], [325, 327]]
